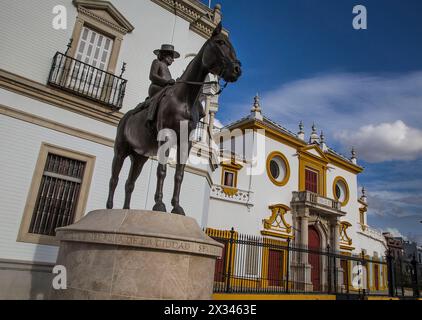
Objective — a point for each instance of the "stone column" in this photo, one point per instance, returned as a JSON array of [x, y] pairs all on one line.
[[335, 231], [304, 223], [212, 118], [302, 267]]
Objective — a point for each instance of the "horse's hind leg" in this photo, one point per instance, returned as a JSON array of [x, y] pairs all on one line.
[[116, 167], [138, 162]]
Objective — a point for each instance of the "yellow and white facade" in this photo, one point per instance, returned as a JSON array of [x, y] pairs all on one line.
[[299, 187]]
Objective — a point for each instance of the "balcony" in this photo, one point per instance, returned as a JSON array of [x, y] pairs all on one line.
[[200, 134], [232, 195], [84, 80], [317, 202]]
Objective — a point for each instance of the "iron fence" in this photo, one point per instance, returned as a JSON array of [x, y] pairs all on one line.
[[75, 76], [259, 265]]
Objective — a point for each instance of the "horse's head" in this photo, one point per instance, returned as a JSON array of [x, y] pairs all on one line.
[[220, 57]]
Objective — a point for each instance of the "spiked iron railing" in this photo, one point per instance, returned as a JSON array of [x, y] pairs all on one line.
[[87, 81]]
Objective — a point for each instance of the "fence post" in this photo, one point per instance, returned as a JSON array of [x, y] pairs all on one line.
[[390, 274], [335, 273], [288, 265], [229, 271], [329, 269], [401, 276], [415, 277]]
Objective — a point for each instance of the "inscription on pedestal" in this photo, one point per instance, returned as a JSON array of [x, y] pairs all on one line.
[[141, 241]]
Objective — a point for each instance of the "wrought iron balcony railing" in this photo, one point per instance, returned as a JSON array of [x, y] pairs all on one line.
[[87, 81], [203, 132]]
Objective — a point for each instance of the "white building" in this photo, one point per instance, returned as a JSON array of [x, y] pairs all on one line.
[[58, 128]]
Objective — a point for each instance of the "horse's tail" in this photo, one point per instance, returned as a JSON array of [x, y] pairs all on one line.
[[120, 132]]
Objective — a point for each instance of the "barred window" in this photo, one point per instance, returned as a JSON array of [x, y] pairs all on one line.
[[58, 193], [252, 260]]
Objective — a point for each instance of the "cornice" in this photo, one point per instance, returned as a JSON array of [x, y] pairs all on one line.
[[57, 98], [278, 135], [197, 14]]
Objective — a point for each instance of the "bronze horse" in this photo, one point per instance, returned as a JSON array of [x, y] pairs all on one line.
[[136, 140]]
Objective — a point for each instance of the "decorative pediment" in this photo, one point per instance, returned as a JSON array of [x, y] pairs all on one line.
[[106, 13], [231, 165], [276, 225], [315, 152]]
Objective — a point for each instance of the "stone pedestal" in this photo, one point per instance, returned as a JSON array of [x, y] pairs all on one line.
[[301, 276], [129, 254]]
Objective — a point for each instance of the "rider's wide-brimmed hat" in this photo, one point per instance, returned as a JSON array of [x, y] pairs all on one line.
[[167, 48]]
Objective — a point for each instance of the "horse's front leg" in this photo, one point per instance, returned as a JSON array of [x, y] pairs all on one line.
[[178, 179], [161, 176]]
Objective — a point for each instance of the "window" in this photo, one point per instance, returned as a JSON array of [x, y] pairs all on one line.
[[341, 190], [252, 259], [58, 193], [229, 173], [92, 57], [278, 169], [229, 179], [94, 48], [311, 180]]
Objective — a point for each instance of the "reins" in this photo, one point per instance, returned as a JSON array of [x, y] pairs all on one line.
[[194, 83]]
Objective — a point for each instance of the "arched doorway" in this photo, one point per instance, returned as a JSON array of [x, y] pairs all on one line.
[[314, 243]]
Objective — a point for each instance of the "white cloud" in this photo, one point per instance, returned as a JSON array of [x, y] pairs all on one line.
[[384, 142], [385, 111]]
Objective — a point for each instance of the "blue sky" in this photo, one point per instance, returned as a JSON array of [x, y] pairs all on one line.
[[363, 88]]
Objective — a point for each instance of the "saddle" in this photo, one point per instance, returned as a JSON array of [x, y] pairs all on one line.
[[151, 103]]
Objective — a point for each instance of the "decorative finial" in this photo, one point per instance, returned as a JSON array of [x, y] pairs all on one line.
[[314, 138], [353, 158], [69, 45], [322, 137], [256, 105], [217, 13], [301, 127], [256, 109], [123, 69], [301, 133], [363, 197]]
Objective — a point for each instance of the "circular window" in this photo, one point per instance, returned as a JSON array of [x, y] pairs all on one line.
[[341, 190], [275, 169], [278, 168]]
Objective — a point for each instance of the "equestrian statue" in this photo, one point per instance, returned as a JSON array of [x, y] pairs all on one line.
[[170, 103]]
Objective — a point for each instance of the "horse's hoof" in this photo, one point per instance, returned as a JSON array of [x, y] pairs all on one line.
[[178, 210], [109, 205], [160, 207]]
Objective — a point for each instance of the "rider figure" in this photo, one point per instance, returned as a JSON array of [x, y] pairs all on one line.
[[160, 75]]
